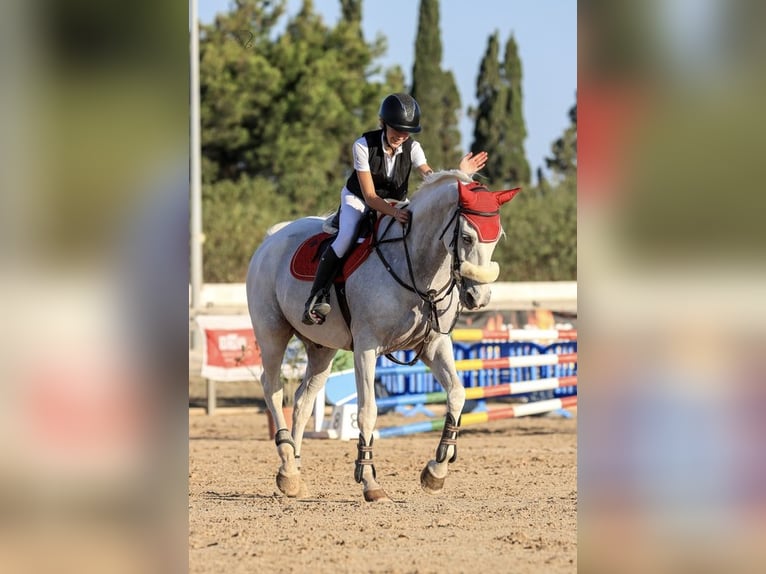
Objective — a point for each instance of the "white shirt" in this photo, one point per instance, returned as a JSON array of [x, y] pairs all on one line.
[[361, 155]]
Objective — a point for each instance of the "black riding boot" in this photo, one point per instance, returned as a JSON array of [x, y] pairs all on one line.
[[317, 306]]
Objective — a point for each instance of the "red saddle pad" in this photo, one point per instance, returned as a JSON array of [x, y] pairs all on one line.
[[305, 260]]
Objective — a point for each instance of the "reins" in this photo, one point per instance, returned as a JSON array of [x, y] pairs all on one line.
[[431, 297]]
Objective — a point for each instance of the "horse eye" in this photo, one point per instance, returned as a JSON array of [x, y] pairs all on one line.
[[467, 239]]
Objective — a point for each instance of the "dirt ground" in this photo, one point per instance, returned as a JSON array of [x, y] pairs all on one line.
[[509, 503]]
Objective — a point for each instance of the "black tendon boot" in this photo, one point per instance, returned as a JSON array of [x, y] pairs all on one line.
[[317, 307]]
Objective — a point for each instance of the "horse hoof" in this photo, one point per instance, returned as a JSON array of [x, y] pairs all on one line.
[[430, 483], [377, 495], [289, 485]]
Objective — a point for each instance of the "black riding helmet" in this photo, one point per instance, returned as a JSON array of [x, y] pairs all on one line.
[[401, 112]]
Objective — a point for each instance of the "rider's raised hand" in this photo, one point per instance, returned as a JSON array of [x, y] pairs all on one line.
[[471, 163]]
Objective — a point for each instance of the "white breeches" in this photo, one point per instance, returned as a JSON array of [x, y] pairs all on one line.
[[352, 210]]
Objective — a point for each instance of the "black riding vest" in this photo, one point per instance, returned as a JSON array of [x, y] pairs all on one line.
[[394, 187]]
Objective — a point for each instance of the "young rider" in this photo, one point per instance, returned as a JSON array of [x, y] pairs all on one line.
[[383, 159]]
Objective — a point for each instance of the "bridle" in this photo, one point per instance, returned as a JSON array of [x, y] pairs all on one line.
[[433, 296]]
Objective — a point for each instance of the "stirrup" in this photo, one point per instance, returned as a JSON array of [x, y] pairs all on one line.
[[316, 311]]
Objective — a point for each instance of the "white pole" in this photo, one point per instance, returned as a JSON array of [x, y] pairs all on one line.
[[196, 237]]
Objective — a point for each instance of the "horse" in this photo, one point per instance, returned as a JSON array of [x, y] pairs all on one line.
[[407, 295]]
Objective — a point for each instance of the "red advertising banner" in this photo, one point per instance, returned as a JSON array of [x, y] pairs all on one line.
[[231, 352]]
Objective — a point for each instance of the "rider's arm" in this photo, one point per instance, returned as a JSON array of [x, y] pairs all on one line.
[[378, 203]]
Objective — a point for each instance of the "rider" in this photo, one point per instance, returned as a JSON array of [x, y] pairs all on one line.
[[383, 159]]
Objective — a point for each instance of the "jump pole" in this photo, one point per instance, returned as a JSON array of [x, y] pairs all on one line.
[[467, 335], [515, 411]]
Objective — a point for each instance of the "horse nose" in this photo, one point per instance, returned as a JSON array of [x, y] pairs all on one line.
[[476, 297]]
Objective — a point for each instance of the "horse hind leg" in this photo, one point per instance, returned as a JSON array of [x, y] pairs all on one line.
[[317, 370], [272, 350]]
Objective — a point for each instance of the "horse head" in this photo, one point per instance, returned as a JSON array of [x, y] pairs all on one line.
[[476, 234]]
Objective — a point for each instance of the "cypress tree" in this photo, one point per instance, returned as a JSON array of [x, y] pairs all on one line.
[[351, 11], [518, 172], [563, 162], [487, 131], [499, 127], [435, 91]]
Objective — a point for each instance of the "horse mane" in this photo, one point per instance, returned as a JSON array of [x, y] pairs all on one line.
[[426, 194], [435, 178]]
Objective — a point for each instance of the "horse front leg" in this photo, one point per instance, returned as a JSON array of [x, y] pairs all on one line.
[[367, 414], [440, 359]]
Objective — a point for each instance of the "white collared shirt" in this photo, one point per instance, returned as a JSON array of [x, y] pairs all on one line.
[[361, 155]]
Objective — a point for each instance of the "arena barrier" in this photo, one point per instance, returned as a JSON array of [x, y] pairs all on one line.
[[483, 364]]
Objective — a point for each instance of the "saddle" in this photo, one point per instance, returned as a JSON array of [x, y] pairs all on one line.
[[305, 260]]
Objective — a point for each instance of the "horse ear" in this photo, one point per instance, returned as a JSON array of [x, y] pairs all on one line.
[[506, 195]]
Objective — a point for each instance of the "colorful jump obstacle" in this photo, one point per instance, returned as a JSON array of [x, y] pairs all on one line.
[[492, 364], [343, 419], [514, 411]]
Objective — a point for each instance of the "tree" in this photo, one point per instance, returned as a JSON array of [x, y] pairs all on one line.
[[540, 242], [487, 131], [279, 115], [518, 172], [541, 223], [499, 127], [238, 83], [563, 162], [436, 92]]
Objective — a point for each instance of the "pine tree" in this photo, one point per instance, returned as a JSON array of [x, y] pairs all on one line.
[[436, 92]]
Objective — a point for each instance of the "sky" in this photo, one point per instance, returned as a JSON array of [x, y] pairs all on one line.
[[545, 32]]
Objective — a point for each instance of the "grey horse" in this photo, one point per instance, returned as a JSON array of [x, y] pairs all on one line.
[[405, 295]]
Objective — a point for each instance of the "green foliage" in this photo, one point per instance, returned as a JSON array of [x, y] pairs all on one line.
[[436, 92], [541, 235], [563, 162], [236, 217], [279, 114], [541, 222], [343, 360]]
